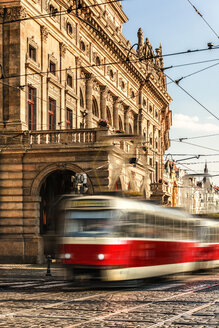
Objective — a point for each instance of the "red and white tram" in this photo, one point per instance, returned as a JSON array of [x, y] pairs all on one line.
[[122, 239]]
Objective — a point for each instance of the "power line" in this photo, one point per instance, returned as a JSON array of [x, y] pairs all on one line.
[[197, 163], [55, 13], [189, 64], [204, 155], [189, 143], [198, 12], [199, 71], [187, 138], [189, 94], [105, 64]]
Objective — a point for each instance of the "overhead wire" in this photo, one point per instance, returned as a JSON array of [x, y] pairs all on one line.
[[102, 64], [198, 12], [189, 64], [189, 143], [198, 137], [57, 13], [191, 74], [190, 95]]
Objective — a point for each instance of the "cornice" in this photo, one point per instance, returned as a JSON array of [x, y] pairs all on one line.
[[157, 89], [119, 10]]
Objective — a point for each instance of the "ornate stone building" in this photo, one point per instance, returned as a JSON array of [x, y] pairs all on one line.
[[64, 71]]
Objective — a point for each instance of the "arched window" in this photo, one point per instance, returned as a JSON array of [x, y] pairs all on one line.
[[82, 46], [108, 116], [69, 28], [81, 99], [98, 61], [95, 109], [120, 124]]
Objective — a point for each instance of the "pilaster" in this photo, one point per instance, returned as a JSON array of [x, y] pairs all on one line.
[[116, 106], [89, 88]]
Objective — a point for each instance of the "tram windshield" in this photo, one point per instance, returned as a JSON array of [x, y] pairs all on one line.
[[89, 223]]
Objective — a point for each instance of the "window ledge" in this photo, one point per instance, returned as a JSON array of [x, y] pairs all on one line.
[[30, 63], [70, 91], [54, 79]]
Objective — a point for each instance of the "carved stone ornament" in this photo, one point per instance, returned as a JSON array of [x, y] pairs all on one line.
[[63, 49], [94, 56], [110, 98], [82, 75], [96, 86], [15, 13], [44, 33]]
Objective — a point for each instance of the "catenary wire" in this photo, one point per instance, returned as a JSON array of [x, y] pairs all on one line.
[[189, 94], [189, 143], [104, 64], [198, 12], [191, 74], [57, 13], [198, 137], [189, 64]]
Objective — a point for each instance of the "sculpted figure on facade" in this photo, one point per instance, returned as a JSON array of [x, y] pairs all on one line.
[[140, 43]]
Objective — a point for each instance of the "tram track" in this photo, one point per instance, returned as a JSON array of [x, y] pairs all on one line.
[[80, 309], [128, 310]]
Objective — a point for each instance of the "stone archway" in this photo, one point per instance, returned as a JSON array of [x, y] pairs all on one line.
[[52, 182]]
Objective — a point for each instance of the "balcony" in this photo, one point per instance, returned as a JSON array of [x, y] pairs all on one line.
[[51, 138]]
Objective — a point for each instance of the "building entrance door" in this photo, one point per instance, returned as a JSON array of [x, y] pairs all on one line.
[[55, 185]]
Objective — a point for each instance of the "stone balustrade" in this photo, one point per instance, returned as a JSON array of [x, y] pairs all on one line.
[[50, 137], [159, 187]]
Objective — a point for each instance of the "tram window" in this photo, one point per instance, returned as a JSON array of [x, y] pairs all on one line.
[[190, 230], [177, 230], [159, 227], [136, 224], [217, 235], [150, 229], [81, 223], [168, 226], [184, 231], [212, 236]]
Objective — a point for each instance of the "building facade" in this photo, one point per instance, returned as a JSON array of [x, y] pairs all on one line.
[[76, 98]]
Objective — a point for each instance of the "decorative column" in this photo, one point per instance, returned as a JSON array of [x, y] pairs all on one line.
[[126, 119], [44, 82], [116, 113], [62, 112], [89, 88], [103, 96]]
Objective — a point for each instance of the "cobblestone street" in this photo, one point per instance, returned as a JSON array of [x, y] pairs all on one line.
[[190, 301]]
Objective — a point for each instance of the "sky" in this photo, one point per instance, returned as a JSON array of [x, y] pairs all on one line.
[[177, 26]]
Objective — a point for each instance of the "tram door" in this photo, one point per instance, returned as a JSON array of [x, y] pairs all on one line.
[[55, 185]]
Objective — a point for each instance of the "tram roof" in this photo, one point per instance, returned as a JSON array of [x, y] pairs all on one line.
[[132, 204]]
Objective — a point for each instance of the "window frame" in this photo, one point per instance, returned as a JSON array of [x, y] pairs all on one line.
[[52, 114], [31, 105]]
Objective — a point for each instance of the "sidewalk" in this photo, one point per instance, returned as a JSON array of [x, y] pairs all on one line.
[[30, 271]]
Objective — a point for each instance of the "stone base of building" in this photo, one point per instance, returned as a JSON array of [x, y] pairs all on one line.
[[18, 250]]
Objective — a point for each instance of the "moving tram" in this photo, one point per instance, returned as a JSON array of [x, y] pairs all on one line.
[[119, 239]]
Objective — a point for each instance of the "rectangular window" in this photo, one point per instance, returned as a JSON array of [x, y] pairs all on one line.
[[52, 114], [32, 52], [69, 119], [31, 103], [52, 67], [69, 80]]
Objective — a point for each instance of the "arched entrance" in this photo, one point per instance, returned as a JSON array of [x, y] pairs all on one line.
[[55, 184]]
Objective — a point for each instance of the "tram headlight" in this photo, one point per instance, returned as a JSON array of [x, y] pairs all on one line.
[[67, 256], [100, 257]]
